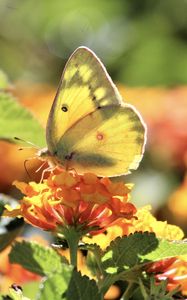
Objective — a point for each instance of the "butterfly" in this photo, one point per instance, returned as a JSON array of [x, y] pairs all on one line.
[[90, 128]]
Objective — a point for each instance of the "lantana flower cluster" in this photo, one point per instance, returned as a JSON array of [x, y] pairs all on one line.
[[66, 198]]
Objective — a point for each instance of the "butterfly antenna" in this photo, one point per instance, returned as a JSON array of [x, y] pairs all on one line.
[[27, 142]]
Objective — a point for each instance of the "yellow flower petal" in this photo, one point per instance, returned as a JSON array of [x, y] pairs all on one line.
[[12, 212]]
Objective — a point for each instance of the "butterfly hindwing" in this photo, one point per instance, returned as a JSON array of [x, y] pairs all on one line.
[[107, 142], [84, 86]]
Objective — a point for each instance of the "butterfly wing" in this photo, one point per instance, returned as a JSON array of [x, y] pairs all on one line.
[[109, 141], [84, 87]]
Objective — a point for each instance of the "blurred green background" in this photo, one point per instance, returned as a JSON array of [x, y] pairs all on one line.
[[142, 42]]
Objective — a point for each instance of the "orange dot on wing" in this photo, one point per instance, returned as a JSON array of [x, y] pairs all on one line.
[[100, 136]]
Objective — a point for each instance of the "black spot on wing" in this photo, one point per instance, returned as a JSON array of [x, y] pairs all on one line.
[[64, 108]]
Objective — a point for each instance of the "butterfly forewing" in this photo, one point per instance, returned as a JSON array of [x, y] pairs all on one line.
[[84, 87]]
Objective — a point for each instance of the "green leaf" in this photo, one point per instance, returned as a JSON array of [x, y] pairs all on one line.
[[15, 293], [13, 229], [139, 248], [128, 251], [93, 258], [55, 286], [36, 258], [69, 285], [17, 121], [167, 249], [82, 288], [30, 289], [154, 290]]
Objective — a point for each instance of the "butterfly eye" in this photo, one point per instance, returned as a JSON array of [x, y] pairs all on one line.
[[69, 156], [64, 108]]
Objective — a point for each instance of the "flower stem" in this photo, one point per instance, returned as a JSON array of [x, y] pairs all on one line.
[[73, 248], [128, 293], [72, 237]]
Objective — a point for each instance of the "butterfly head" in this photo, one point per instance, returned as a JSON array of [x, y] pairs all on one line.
[[45, 155], [55, 159]]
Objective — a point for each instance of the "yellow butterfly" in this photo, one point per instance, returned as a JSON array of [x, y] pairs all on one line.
[[89, 127]]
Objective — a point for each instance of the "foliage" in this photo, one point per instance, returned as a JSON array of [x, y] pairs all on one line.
[[142, 42], [127, 257], [10, 109]]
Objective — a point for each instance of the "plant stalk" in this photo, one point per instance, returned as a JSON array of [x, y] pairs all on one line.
[[72, 237]]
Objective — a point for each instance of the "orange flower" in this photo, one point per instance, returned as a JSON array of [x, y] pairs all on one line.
[[66, 198], [173, 269]]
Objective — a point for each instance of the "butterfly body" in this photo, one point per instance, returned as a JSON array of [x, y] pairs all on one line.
[[89, 127]]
